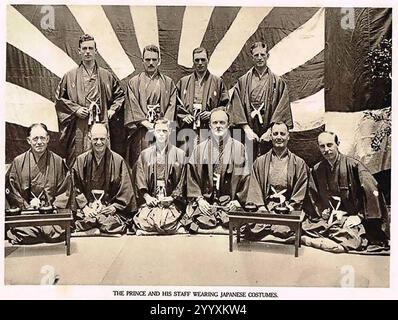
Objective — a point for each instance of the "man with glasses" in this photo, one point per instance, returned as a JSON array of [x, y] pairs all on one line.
[[37, 178]]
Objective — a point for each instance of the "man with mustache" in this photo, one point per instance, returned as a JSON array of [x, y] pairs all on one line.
[[86, 95], [38, 178], [277, 173], [217, 175], [104, 194], [160, 181], [260, 98], [199, 93], [151, 95], [351, 209]]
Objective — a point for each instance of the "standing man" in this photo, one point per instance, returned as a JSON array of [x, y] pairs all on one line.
[[279, 178], [150, 95], [37, 178], [351, 209], [160, 181], [86, 95], [199, 93], [217, 175], [260, 98], [103, 188]]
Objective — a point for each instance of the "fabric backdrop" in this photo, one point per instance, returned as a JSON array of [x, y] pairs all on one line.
[[37, 58]]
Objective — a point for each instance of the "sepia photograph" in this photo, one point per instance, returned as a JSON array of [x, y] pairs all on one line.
[[237, 146]]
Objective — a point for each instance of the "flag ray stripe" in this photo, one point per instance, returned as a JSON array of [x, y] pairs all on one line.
[[306, 79], [27, 38], [95, 22], [308, 113], [194, 26], [36, 77], [122, 24], [145, 22], [216, 30], [25, 107], [299, 46], [278, 24], [243, 27], [170, 25]]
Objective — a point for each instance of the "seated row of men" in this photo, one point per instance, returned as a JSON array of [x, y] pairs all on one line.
[[339, 195]]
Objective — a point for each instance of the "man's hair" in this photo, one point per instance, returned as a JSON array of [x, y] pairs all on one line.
[[199, 50], [220, 109], [279, 123], [101, 125], [151, 48], [86, 37], [258, 44], [336, 138], [162, 121], [42, 125]]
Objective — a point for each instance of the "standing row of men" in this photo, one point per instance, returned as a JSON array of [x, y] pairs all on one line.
[[90, 94], [169, 192]]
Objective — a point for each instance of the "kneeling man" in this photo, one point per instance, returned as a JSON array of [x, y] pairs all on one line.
[[279, 179], [37, 178], [351, 210], [160, 178], [217, 175], [103, 187]]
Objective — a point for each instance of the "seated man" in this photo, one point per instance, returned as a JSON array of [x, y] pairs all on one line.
[[160, 174], [278, 182], [350, 208], [103, 188], [37, 178], [217, 175]]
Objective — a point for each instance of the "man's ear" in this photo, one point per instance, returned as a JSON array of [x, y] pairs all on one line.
[[48, 138], [28, 140]]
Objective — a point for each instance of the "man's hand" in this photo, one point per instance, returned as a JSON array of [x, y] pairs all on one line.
[[111, 113], [151, 201], [147, 124], [352, 221], [82, 112], [325, 214], [204, 115], [262, 208], [251, 135], [188, 119], [233, 205], [89, 212], [35, 203], [266, 136], [166, 201], [204, 207], [108, 210]]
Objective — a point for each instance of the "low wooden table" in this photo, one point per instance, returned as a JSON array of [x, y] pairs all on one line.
[[62, 218], [238, 218]]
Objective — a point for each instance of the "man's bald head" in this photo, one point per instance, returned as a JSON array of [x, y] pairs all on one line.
[[99, 128], [99, 138]]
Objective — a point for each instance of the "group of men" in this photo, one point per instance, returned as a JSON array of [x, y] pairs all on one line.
[[165, 185]]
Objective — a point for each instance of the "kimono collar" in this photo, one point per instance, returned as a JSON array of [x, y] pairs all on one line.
[[283, 155], [43, 156], [95, 68], [255, 72], [205, 76], [336, 161], [155, 75], [217, 142]]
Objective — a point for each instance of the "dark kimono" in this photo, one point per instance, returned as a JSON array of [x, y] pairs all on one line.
[[112, 176], [76, 90], [48, 179], [219, 175], [171, 175], [143, 93], [352, 182], [210, 94]]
